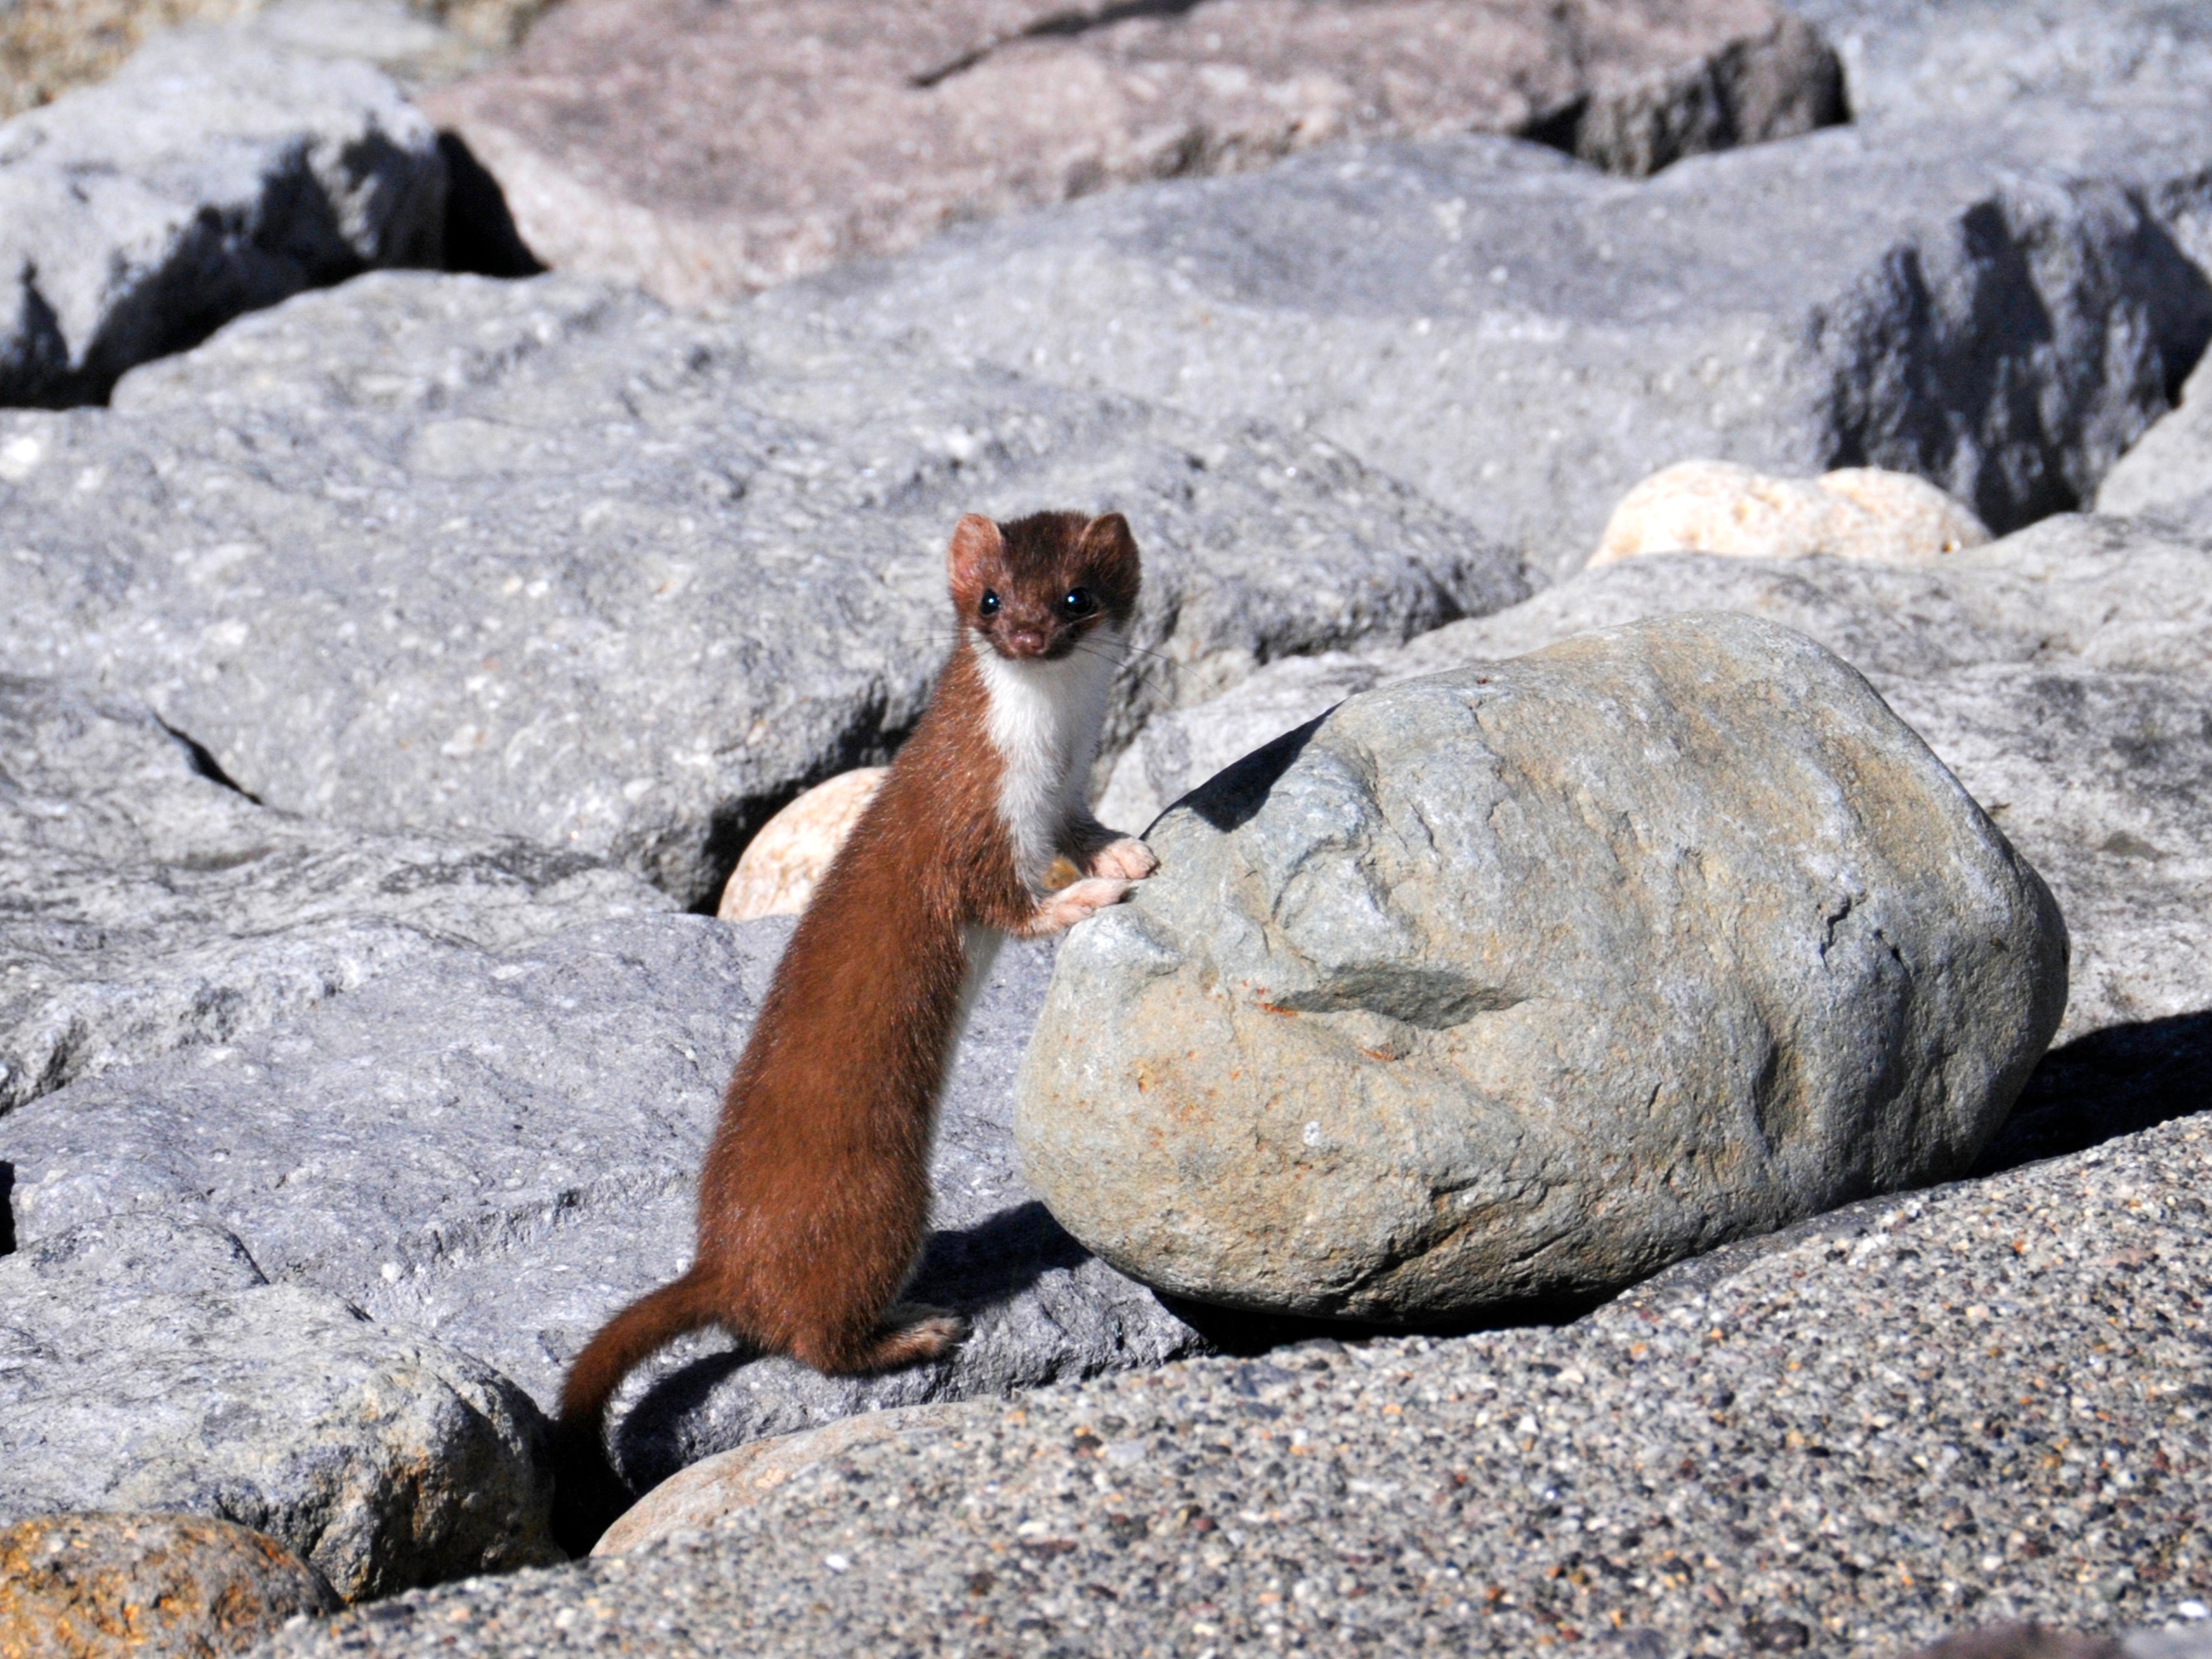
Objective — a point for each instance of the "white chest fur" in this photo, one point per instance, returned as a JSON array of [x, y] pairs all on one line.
[[1044, 721]]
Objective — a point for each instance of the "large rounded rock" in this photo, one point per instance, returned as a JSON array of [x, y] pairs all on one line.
[[1522, 981]]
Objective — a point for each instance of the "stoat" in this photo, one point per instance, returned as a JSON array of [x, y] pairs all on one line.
[[814, 1199]]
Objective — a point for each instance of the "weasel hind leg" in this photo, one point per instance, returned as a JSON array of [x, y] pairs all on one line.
[[907, 1334], [912, 1332]]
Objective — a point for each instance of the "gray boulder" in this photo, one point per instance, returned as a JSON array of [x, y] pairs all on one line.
[[2101, 781], [145, 1364], [1523, 338], [500, 1151], [2167, 475], [2104, 593], [212, 175], [145, 907], [541, 559], [1517, 983], [2061, 675]]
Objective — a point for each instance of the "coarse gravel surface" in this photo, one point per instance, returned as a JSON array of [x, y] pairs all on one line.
[[1980, 1402]]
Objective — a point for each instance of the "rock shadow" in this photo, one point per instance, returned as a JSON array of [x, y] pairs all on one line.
[[1242, 1334], [1074, 20], [2116, 1082], [481, 237]]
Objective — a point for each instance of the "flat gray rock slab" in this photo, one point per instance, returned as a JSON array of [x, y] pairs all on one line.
[[213, 174], [500, 1151], [2062, 674], [1798, 1445], [1512, 985], [541, 559], [146, 1364], [145, 907], [1999, 309], [1908, 61]]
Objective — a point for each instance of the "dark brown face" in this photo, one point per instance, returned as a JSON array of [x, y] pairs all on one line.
[[1038, 586]]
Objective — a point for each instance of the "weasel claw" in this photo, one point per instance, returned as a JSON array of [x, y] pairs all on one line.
[[1128, 859]]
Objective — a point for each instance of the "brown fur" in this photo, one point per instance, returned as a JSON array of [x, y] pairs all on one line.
[[814, 1198]]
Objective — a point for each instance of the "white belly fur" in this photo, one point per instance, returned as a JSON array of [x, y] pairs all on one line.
[[1044, 721]]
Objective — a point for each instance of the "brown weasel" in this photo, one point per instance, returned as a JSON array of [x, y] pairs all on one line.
[[814, 1199]]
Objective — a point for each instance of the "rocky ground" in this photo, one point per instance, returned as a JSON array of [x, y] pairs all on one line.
[[1982, 1402], [399, 648]]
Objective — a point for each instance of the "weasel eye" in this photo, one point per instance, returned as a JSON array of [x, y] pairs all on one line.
[[989, 604], [1077, 602]]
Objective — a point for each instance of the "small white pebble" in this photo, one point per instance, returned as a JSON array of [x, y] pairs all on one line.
[[837, 1563], [389, 1273]]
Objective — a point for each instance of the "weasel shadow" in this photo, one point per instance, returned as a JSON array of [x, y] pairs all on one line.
[[2119, 1081], [970, 1270]]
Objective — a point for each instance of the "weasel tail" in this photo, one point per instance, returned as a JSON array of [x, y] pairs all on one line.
[[814, 1198]]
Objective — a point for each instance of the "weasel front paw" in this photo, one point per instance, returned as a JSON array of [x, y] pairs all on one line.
[[1072, 904], [1126, 859]]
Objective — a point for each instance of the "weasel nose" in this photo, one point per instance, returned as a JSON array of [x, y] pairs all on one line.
[[1025, 642]]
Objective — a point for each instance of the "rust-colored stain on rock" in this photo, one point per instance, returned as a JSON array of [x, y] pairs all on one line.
[[100, 1586]]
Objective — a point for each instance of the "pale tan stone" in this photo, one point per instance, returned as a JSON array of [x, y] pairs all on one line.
[[776, 875], [1861, 513], [694, 1498]]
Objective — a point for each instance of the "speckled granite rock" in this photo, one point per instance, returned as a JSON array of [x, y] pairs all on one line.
[[499, 1151], [539, 558], [1512, 985], [2062, 674], [1981, 1403], [146, 1364], [700, 1494], [1524, 339], [705, 151], [145, 907], [212, 175], [108, 1586]]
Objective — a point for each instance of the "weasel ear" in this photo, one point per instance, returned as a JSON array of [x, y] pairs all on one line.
[[1109, 552], [1109, 534], [975, 540]]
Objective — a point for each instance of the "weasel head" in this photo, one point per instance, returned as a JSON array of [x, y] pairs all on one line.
[[1038, 587]]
